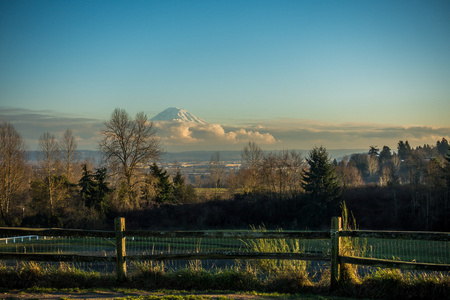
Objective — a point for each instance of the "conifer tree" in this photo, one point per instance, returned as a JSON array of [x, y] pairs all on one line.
[[164, 188], [88, 186], [94, 189], [320, 181], [182, 193], [404, 150]]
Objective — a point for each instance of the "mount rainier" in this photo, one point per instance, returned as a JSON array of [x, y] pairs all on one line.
[[177, 115]]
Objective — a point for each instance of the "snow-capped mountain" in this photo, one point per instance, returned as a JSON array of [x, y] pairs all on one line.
[[177, 115]]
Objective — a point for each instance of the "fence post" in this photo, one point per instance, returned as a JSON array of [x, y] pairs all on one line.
[[121, 267], [334, 264]]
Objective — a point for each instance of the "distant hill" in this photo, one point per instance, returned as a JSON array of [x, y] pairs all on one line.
[[92, 155], [236, 155], [177, 115], [199, 156]]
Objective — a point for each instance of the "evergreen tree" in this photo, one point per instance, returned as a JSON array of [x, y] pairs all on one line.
[[183, 193], [361, 162], [164, 188], [447, 168], [442, 147], [94, 189], [385, 154], [404, 150], [88, 187], [320, 181], [102, 191], [373, 150]]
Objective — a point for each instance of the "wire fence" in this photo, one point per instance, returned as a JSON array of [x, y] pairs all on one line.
[[95, 246], [435, 252], [232, 242]]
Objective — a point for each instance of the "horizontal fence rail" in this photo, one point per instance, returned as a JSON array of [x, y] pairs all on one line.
[[121, 246], [230, 234], [12, 231], [405, 235]]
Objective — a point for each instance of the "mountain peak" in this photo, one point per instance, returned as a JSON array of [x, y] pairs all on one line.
[[178, 115]]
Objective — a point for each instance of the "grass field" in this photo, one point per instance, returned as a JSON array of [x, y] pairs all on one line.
[[404, 250]]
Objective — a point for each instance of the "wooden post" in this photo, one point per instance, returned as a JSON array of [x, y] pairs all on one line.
[[121, 267], [334, 264]]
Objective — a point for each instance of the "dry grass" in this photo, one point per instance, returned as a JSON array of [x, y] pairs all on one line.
[[381, 284]]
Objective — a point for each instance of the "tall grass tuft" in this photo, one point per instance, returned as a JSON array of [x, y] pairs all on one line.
[[350, 247], [276, 267]]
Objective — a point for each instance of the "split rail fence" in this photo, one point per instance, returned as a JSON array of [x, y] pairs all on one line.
[[332, 247]]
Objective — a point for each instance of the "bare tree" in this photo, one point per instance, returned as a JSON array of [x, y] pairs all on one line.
[[69, 154], [129, 144], [49, 162], [282, 172], [373, 164], [348, 174], [216, 170], [252, 155], [13, 167], [252, 158]]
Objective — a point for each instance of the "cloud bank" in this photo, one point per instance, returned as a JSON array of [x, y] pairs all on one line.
[[269, 134], [195, 136], [31, 124]]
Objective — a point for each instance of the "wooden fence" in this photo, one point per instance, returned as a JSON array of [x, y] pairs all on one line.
[[336, 258]]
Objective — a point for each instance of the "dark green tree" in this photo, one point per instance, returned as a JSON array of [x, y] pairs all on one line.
[[164, 188], [404, 150], [94, 189], [103, 190], [373, 150], [182, 192], [87, 186], [385, 154], [442, 147], [361, 162], [447, 167], [320, 182]]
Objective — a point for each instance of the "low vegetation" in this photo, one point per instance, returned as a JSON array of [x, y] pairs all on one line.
[[380, 284]]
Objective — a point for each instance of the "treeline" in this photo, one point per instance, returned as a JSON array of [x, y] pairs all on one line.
[[371, 205], [406, 189]]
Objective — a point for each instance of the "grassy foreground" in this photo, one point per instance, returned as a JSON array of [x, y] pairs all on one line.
[[381, 284]]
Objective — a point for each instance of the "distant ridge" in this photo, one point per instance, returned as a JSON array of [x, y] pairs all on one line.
[[178, 115], [201, 155]]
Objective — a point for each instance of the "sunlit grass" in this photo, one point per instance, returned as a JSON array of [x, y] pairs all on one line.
[[156, 276]]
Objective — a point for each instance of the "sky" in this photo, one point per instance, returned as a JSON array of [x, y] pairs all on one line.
[[285, 74]]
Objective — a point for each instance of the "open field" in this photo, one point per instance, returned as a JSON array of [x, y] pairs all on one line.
[[402, 250]]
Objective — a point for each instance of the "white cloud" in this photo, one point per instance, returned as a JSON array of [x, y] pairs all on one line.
[[207, 136]]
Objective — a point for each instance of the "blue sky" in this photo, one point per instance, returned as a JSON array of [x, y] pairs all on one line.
[[345, 74]]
